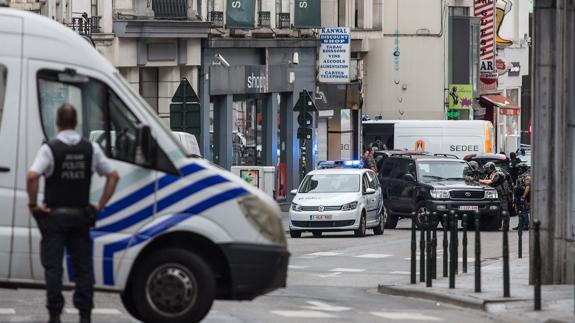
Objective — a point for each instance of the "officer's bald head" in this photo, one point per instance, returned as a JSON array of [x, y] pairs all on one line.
[[66, 117]]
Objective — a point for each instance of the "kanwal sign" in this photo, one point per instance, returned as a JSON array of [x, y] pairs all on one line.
[[334, 55]]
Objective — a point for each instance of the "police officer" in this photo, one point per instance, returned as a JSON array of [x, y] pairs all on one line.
[[65, 218], [496, 179], [522, 196], [473, 173]]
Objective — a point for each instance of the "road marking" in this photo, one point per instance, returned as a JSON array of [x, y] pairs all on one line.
[[373, 256], [304, 314], [348, 270], [329, 275], [96, 311], [297, 267], [7, 311], [324, 254], [400, 272], [406, 316], [321, 306]]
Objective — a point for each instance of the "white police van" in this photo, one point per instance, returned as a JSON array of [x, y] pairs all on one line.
[[174, 221], [339, 196]]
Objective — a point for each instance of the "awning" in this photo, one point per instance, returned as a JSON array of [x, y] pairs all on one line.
[[505, 104]]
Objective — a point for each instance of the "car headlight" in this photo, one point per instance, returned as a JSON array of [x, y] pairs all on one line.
[[264, 218], [491, 194], [296, 207], [349, 206], [440, 194]]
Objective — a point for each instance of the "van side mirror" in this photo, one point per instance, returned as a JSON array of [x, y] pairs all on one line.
[[145, 146], [293, 192], [408, 177]]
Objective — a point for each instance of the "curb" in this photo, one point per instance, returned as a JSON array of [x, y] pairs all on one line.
[[457, 300]]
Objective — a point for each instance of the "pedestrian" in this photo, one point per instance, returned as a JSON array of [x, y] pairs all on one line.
[[368, 160], [496, 179], [64, 219]]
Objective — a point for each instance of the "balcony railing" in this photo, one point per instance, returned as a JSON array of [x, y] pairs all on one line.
[[86, 26], [170, 9], [264, 18], [217, 19], [283, 20]]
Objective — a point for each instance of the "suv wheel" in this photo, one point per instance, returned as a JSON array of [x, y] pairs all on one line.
[[420, 211], [360, 232], [317, 234], [378, 230], [174, 285], [295, 234], [391, 219]]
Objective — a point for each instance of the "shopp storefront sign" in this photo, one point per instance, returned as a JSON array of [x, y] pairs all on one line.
[[334, 55]]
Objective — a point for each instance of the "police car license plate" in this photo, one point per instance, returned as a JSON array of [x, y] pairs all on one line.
[[468, 208], [320, 217]]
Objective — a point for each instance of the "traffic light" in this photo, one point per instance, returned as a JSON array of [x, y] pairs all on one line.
[[306, 107]]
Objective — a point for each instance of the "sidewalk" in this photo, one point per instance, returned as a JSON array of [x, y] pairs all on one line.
[[557, 300]]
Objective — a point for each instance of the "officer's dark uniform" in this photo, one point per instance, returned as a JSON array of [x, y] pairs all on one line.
[[67, 195]]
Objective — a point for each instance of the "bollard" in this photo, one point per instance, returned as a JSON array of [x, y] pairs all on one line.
[[477, 253], [537, 265], [506, 292], [452, 249], [421, 251], [464, 222], [445, 252], [413, 251], [434, 246], [428, 278], [520, 238]]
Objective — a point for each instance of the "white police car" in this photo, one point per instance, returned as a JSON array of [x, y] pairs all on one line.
[[340, 196]]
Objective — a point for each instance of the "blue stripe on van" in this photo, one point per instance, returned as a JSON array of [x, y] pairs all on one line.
[[162, 204], [111, 249], [146, 191]]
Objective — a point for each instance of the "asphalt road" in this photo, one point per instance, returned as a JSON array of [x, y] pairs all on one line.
[[332, 278]]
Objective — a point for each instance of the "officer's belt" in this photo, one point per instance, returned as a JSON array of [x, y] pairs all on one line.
[[68, 210]]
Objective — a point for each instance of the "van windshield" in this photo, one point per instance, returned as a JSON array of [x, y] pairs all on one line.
[[430, 171], [153, 115], [330, 183]]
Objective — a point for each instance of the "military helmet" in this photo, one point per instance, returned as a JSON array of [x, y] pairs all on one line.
[[474, 165], [489, 167]]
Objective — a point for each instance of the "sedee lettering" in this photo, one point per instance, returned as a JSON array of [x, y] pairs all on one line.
[[464, 148]]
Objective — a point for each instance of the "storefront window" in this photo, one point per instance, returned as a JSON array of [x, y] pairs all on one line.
[[247, 138]]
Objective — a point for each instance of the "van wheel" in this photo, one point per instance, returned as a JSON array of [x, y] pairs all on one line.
[[128, 301], [378, 230], [360, 232], [391, 219], [295, 234], [174, 285]]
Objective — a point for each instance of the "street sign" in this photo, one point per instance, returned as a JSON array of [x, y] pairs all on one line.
[[305, 102], [304, 119], [304, 133]]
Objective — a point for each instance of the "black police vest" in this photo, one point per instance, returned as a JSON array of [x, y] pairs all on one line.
[[69, 184]]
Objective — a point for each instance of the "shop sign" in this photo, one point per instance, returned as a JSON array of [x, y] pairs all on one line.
[[307, 13], [488, 81], [240, 13], [460, 96], [246, 79], [515, 69], [485, 10], [501, 66], [510, 112], [334, 55]]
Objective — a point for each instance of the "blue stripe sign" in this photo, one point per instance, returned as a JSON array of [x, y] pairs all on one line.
[[334, 55]]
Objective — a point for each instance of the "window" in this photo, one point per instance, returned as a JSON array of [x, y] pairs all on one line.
[[3, 77], [102, 116], [388, 167], [372, 181], [330, 183]]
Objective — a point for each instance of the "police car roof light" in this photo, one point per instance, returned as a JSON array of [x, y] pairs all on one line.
[[340, 164]]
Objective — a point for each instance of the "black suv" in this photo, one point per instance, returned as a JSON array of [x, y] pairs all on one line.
[[420, 183]]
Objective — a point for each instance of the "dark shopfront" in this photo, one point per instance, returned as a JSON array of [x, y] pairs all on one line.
[[247, 99]]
